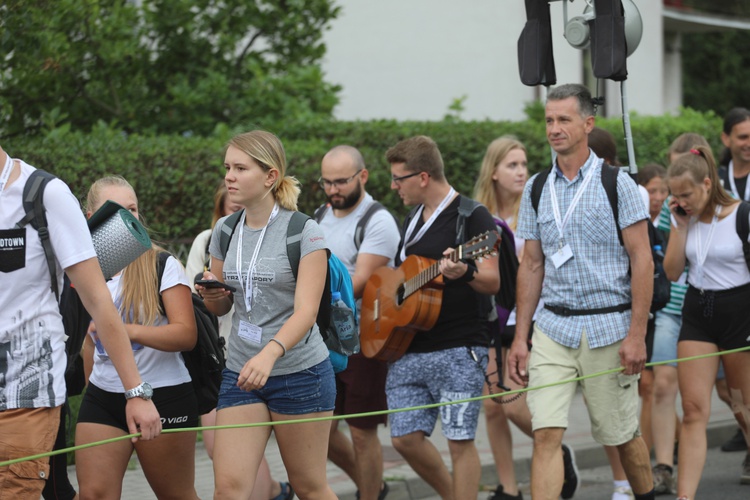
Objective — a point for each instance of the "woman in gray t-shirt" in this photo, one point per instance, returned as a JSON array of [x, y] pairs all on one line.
[[277, 367]]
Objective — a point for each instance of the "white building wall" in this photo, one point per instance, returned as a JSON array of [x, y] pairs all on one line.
[[410, 59]]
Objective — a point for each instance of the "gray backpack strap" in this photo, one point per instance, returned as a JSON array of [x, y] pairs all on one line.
[[293, 239], [320, 212], [466, 207], [227, 231], [35, 214], [359, 231]]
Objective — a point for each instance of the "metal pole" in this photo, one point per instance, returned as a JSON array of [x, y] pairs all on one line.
[[626, 127]]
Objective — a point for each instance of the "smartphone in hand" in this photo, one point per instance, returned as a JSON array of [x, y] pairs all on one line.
[[680, 211], [215, 284]]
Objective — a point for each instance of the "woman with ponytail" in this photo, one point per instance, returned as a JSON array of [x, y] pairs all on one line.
[[160, 323], [277, 364], [703, 234]]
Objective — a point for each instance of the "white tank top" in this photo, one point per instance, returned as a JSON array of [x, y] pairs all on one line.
[[725, 265]]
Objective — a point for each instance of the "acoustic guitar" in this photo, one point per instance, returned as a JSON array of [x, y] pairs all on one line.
[[398, 303]]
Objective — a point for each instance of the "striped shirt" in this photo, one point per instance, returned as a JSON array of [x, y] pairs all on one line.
[[678, 288], [597, 275]]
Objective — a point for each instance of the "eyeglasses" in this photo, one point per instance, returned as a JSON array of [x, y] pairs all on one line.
[[398, 179], [339, 183]]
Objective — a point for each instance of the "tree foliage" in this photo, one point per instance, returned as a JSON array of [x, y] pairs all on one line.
[[161, 66], [715, 65], [716, 70]]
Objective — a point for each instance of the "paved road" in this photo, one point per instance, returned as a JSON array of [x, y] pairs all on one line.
[[720, 480]]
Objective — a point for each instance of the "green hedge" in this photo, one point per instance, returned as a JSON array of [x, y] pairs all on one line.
[[175, 176]]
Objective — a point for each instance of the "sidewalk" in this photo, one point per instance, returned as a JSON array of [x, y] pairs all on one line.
[[404, 482]]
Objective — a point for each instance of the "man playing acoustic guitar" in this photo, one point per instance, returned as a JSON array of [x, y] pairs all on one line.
[[446, 362]]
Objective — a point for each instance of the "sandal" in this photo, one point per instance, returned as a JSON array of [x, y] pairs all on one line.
[[287, 493], [383, 492]]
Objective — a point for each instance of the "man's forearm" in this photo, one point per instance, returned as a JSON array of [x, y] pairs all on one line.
[[642, 288]]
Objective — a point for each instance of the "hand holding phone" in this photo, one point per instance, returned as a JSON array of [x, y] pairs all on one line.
[[215, 284], [679, 210]]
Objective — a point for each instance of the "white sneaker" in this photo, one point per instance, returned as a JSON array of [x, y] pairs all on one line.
[[623, 493]]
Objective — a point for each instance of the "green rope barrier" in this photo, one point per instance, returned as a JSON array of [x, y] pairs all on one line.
[[368, 414]]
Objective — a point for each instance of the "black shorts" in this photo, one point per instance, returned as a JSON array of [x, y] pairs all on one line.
[[361, 389], [718, 317], [177, 406], [650, 331]]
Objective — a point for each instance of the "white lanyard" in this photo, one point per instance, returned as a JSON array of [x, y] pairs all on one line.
[[733, 186], [248, 285], [409, 242], [5, 175], [562, 222], [701, 251]]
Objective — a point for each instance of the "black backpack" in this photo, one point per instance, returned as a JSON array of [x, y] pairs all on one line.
[[75, 317], [507, 258], [662, 285], [743, 228], [206, 360]]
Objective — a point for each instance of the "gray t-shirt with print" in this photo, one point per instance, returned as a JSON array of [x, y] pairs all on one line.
[[273, 293]]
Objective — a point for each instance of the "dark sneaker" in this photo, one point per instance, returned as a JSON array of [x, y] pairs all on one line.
[[664, 481], [745, 476], [735, 443], [570, 473], [499, 494]]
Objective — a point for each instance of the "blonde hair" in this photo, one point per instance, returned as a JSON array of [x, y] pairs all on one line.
[[699, 163], [140, 295], [484, 189], [220, 197], [266, 149]]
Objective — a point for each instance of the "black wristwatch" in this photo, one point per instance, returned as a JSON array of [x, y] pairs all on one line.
[[142, 390]]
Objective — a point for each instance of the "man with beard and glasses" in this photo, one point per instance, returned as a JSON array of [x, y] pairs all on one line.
[[361, 387]]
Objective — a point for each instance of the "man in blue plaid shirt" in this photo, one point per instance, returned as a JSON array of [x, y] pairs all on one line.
[[595, 312]]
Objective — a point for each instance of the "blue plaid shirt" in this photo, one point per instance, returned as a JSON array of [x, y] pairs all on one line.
[[597, 275]]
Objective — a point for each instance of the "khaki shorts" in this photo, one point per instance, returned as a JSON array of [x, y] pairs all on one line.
[[612, 399], [25, 432]]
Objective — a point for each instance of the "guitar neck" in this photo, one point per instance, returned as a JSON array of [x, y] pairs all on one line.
[[421, 279], [478, 247], [428, 274]]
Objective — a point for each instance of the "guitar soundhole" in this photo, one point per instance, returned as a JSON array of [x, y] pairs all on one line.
[[400, 295]]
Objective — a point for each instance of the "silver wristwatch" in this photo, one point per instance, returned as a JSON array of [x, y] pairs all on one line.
[[143, 390]]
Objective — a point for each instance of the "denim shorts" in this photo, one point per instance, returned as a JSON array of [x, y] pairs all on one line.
[[437, 377], [665, 337], [312, 390]]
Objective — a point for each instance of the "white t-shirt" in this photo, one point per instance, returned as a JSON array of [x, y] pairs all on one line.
[[158, 368], [725, 265], [381, 234], [32, 339]]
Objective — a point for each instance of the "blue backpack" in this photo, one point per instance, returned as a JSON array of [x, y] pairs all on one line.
[[337, 280]]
